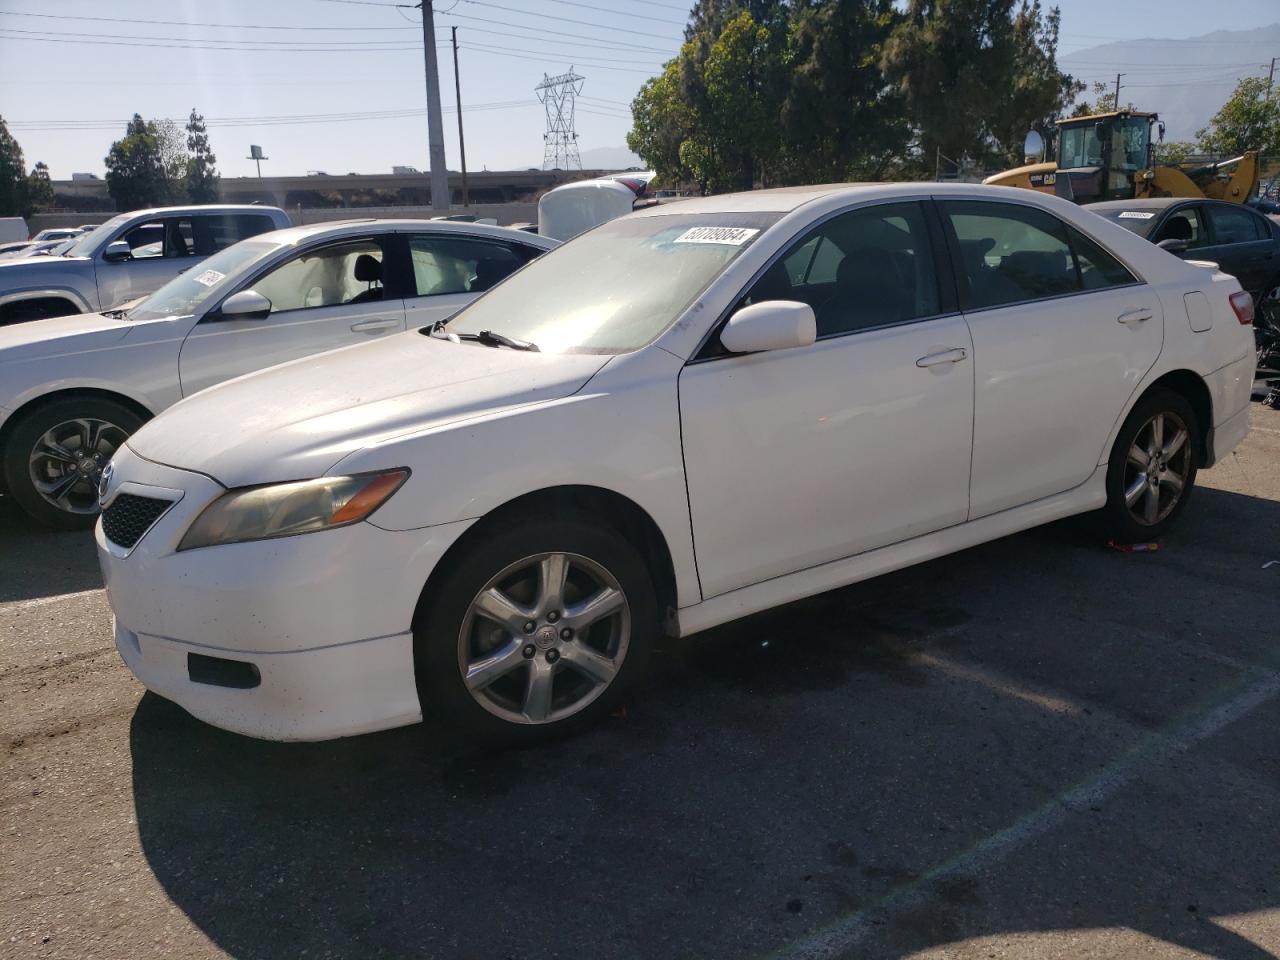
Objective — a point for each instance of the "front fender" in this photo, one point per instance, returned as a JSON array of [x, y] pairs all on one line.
[[37, 291]]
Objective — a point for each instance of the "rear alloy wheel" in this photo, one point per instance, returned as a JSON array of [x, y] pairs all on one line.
[[56, 455], [1152, 467], [537, 629]]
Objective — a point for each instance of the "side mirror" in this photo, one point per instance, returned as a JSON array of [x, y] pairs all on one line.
[[245, 305], [117, 251], [771, 325], [1033, 146], [1173, 246]]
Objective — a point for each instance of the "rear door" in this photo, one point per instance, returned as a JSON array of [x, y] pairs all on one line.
[[1062, 334], [324, 297], [449, 270], [1240, 243]]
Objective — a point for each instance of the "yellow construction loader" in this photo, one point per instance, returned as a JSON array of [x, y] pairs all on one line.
[[1110, 156]]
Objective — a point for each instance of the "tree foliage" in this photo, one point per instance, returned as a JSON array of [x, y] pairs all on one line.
[[39, 188], [13, 175], [1249, 120], [975, 75], [171, 144], [135, 168], [766, 92], [202, 176]]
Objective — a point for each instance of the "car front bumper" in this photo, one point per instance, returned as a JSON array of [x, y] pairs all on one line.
[[321, 621]]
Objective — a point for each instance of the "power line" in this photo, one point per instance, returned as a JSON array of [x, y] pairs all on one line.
[[584, 41], [499, 52], [185, 23], [196, 46], [565, 55], [549, 16], [557, 33], [257, 44], [629, 15]]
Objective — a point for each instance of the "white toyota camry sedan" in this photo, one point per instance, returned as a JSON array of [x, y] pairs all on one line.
[[684, 416]]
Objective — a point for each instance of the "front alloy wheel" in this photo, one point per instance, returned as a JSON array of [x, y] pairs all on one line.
[[67, 461], [544, 638], [536, 626]]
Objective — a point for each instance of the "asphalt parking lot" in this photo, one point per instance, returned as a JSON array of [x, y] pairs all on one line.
[[1036, 748]]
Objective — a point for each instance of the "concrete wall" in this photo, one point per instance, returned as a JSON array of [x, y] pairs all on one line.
[[504, 213]]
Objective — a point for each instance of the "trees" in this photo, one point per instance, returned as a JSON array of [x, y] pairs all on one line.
[[202, 176], [171, 146], [975, 75], [13, 175], [767, 92], [1249, 120], [39, 188], [135, 170]]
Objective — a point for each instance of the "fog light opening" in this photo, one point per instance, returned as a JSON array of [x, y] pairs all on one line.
[[219, 672]]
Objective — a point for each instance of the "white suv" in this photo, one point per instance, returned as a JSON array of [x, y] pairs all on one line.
[[125, 258]]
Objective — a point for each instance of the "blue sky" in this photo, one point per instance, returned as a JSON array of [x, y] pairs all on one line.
[[304, 87]]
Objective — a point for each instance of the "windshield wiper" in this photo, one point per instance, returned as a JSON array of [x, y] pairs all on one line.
[[487, 337], [115, 314]]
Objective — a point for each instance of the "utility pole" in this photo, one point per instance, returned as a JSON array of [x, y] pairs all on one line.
[[1271, 76], [462, 143], [435, 129], [1118, 76]]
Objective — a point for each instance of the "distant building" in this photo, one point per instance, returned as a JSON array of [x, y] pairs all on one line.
[[84, 176], [404, 171]]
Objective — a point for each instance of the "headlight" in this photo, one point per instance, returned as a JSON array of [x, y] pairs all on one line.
[[287, 509]]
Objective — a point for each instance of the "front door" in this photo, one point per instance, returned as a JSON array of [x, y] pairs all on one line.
[[323, 298], [1062, 335], [161, 249], [798, 457]]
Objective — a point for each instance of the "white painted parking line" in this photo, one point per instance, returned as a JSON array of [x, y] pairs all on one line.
[[45, 601], [1244, 695]]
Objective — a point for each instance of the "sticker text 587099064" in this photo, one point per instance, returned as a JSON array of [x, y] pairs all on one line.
[[733, 236]]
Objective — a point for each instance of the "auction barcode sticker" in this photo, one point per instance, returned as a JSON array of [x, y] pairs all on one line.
[[209, 277], [1136, 215], [733, 236]]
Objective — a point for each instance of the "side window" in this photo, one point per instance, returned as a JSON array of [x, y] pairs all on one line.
[[343, 273], [1098, 269], [1233, 225], [444, 265], [867, 268], [1183, 224], [219, 231], [1011, 253], [146, 240]]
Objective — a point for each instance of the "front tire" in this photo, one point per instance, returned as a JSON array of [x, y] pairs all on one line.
[[56, 454], [1152, 469], [536, 630]]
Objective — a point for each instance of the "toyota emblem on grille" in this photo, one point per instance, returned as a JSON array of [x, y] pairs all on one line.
[[105, 481]]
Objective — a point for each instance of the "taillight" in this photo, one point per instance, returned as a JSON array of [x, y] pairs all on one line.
[[1242, 304]]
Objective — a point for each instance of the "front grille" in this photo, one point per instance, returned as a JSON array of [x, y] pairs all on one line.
[[129, 517]]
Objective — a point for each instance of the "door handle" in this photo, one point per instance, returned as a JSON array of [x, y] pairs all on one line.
[[1140, 315], [374, 326], [954, 355]]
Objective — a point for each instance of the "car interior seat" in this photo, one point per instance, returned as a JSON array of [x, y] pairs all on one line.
[[1177, 227], [489, 272], [869, 292], [368, 269]]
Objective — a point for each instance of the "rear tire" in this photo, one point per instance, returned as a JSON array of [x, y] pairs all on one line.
[[1152, 470], [533, 664], [56, 454]]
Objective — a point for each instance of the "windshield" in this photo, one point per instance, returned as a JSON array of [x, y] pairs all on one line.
[[205, 281], [616, 287], [1079, 147], [85, 244]]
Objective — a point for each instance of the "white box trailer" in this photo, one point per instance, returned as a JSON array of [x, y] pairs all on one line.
[[13, 228]]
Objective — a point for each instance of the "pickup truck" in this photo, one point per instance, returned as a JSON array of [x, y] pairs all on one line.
[[127, 257]]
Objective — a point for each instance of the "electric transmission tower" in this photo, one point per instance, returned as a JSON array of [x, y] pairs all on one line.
[[557, 94]]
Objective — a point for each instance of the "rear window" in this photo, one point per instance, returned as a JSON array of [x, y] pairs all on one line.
[[217, 232]]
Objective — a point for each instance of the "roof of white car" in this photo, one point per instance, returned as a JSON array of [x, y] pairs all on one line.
[[339, 228], [786, 199], [205, 208]]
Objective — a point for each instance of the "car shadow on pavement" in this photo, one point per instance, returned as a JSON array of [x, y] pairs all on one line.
[[984, 745], [36, 562]]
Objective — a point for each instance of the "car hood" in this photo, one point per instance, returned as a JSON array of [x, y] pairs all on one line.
[[297, 420], [36, 263], [59, 336]]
